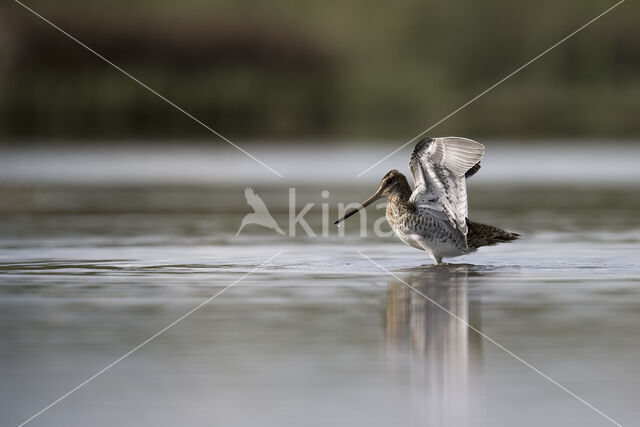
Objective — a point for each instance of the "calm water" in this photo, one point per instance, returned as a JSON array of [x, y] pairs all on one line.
[[97, 255]]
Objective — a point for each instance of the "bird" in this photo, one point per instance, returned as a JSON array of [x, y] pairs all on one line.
[[260, 215], [434, 216]]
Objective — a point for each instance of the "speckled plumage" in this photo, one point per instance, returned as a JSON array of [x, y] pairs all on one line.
[[433, 217]]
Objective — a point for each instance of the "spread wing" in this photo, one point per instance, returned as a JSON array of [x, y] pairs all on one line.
[[439, 167]]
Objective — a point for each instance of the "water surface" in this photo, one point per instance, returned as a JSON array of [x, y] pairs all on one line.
[[321, 335]]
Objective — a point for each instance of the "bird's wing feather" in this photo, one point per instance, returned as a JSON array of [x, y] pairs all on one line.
[[438, 167], [254, 201], [474, 170]]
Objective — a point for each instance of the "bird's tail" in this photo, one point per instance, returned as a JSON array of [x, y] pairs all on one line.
[[487, 235]]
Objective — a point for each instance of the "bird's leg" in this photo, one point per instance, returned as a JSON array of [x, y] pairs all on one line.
[[436, 259]]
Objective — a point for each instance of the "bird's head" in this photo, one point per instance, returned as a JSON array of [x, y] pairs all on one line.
[[393, 182]]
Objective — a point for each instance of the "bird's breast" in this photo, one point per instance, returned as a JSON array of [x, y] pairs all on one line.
[[424, 232], [396, 214]]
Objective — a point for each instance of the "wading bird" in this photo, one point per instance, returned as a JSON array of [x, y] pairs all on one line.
[[433, 217]]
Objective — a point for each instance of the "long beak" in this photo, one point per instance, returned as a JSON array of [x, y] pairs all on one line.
[[362, 206]]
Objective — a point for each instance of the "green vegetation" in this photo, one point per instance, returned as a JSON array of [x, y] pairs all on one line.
[[300, 69]]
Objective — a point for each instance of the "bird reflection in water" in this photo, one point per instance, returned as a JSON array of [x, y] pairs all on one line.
[[433, 347]]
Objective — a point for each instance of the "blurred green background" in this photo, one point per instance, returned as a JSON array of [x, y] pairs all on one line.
[[291, 69]]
